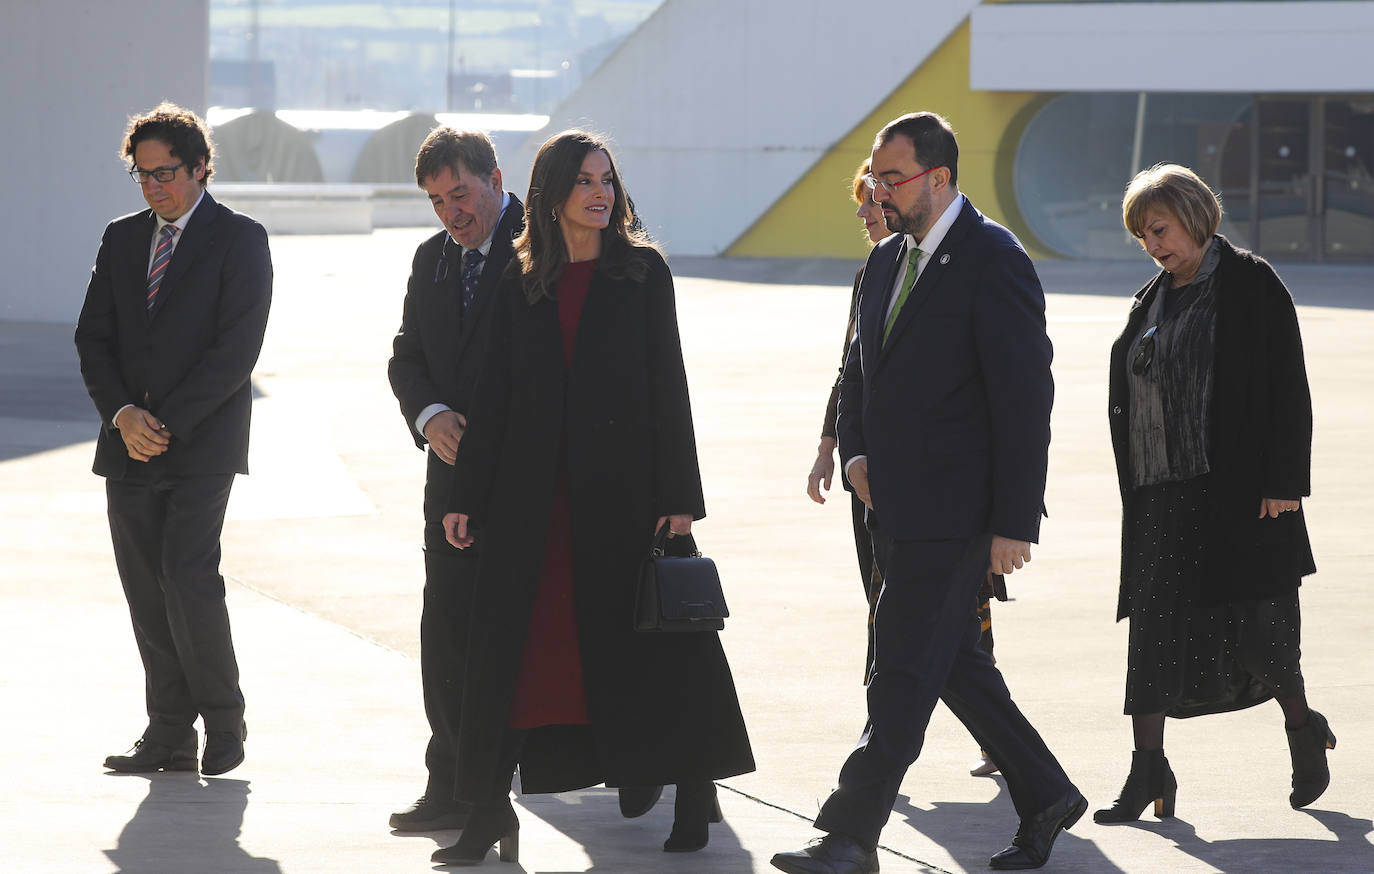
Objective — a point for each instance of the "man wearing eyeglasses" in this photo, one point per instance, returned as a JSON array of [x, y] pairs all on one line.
[[436, 357], [943, 428], [168, 335]]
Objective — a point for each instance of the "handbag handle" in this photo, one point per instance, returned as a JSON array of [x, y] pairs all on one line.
[[684, 545]]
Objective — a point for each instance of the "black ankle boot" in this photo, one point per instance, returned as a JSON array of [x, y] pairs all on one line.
[[1151, 779], [487, 825], [695, 808], [1308, 746]]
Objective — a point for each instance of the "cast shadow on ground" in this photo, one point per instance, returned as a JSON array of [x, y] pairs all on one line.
[[972, 832], [43, 400], [1349, 852], [186, 823], [591, 819]]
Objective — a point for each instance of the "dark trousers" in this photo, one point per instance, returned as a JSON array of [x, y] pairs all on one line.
[[449, 578], [865, 530], [166, 534], [926, 642]]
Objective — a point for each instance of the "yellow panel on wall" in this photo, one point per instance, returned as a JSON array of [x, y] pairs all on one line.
[[816, 216]]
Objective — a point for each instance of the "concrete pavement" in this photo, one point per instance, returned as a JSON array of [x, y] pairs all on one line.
[[322, 556]]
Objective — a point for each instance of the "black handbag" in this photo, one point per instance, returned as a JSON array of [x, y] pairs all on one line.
[[679, 591]]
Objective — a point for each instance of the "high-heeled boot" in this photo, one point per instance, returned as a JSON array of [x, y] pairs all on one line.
[[1151, 779], [1307, 746], [694, 809], [489, 824]]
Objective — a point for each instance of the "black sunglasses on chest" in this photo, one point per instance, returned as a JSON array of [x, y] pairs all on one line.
[[1144, 352]]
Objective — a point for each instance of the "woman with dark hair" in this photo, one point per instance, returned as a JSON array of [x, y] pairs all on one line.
[[1211, 423], [580, 448]]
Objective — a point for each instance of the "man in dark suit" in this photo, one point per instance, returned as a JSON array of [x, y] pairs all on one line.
[[170, 330], [944, 430], [437, 356]]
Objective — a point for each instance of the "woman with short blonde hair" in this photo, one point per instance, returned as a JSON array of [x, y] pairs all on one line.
[[1211, 423]]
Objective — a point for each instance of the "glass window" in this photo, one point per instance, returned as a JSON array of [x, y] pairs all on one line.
[[1074, 161], [1349, 178]]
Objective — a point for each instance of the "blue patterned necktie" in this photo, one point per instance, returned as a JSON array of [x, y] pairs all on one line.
[[161, 256], [472, 272]]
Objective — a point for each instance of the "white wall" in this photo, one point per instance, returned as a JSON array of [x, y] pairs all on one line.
[[716, 107], [1262, 48], [73, 72]]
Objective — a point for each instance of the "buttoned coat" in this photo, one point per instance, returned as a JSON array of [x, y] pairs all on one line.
[[953, 410], [663, 707], [188, 360], [1259, 437], [438, 351]]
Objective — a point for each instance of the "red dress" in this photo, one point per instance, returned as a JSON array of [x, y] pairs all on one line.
[[550, 690]]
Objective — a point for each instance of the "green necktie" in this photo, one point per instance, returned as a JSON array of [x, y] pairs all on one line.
[[913, 257]]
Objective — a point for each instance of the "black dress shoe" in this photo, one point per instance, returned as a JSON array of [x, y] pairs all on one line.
[[1035, 838], [832, 854], [223, 751], [638, 800], [431, 815], [148, 756]]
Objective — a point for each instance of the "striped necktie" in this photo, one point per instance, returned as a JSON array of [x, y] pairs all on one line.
[[912, 259], [161, 256]]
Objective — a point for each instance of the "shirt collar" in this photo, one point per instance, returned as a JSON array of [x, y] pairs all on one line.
[[182, 220], [936, 235]]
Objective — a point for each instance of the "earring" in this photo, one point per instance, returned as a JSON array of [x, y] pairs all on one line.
[[553, 215]]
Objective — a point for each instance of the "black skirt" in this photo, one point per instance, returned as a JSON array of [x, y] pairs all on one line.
[[1186, 659]]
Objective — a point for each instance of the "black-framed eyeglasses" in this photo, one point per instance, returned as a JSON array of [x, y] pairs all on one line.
[[441, 268], [161, 174], [1144, 352]]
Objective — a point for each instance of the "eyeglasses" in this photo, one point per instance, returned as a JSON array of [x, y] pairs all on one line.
[[891, 187], [1145, 352], [161, 174], [441, 268]]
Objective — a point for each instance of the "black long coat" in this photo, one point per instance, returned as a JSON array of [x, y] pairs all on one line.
[[438, 351], [663, 707], [1259, 440]]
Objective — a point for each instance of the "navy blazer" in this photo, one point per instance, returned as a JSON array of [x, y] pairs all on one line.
[[953, 411], [189, 359], [438, 351]]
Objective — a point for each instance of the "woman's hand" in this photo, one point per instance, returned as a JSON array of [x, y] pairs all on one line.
[[678, 524], [822, 471], [456, 530], [1272, 507]]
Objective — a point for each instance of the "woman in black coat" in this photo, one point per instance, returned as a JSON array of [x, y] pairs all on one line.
[[580, 447], [1211, 423]]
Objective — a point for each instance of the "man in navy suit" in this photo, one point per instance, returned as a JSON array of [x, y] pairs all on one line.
[[944, 430], [437, 356], [170, 330]]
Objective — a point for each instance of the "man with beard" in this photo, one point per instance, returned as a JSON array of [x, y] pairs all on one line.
[[943, 428], [436, 357]]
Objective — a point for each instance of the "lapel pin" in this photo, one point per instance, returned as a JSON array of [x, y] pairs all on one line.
[[944, 259]]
